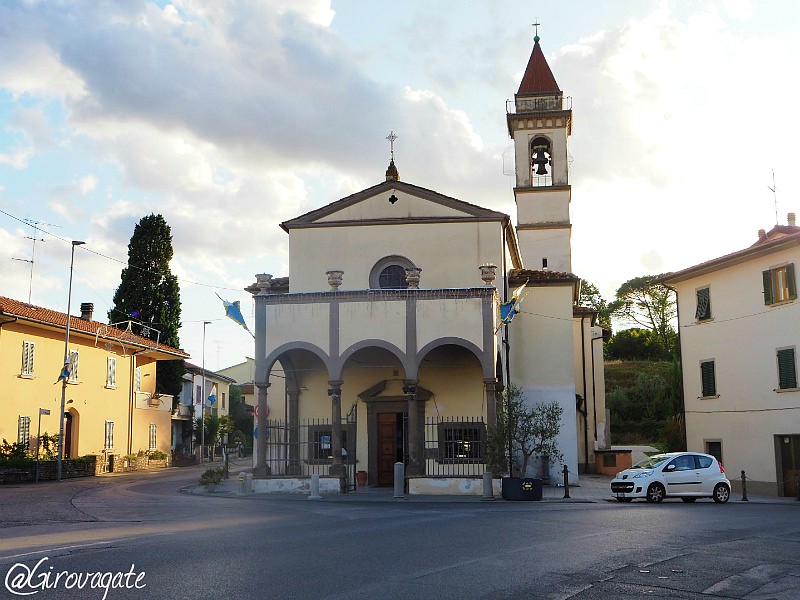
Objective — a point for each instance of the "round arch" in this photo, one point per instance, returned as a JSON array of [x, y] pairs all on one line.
[[387, 261], [275, 355], [488, 369], [388, 346]]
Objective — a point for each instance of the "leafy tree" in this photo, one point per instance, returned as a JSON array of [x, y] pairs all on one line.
[[649, 304], [242, 418], [148, 294], [523, 431], [590, 297], [635, 344]]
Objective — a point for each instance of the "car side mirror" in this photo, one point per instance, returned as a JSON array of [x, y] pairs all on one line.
[[669, 468]]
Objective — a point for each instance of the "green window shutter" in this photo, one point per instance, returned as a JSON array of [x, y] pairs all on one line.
[[708, 378], [787, 372], [703, 305], [767, 276], [791, 281]]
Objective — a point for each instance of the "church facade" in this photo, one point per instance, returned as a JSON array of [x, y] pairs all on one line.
[[385, 342]]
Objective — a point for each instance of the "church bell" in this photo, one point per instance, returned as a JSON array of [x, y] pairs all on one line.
[[540, 160]]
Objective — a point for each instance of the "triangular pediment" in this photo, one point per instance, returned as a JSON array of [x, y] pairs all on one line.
[[393, 202]]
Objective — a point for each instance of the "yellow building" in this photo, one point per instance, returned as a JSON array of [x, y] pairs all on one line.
[[111, 405]]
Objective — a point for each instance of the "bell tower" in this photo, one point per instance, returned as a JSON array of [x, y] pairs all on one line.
[[540, 125]]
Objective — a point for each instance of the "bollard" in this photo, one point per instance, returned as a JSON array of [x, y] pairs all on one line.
[[242, 480], [744, 487], [399, 480], [566, 482], [315, 488], [488, 489]]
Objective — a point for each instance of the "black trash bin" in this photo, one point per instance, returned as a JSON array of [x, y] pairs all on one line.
[[522, 488]]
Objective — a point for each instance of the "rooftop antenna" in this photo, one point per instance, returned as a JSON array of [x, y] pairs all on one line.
[[34, 238], [774, 190]]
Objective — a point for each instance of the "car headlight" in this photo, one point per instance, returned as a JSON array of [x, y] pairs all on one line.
[[643, 474]]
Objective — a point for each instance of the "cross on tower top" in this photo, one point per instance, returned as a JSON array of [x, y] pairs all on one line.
[[536, 30], [391, 137]]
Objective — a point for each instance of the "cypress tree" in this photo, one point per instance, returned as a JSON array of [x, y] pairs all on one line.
[[149, 294]]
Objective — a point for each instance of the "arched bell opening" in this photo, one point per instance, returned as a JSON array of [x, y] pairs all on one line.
[[541, 162]]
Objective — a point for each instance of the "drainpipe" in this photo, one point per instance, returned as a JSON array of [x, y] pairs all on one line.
[[585, 407]]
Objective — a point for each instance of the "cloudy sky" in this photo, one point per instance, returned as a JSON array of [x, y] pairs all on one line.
[[230, 116]]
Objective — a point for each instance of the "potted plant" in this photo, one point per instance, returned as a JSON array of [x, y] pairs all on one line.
[[211, 479], [521, 432]]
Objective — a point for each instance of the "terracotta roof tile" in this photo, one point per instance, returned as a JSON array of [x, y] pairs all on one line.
[[23, 310], [520, 276], [538, 77]]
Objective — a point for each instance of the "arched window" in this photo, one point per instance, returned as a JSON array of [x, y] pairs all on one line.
[[541, 162], [393, 277], [390, 273]]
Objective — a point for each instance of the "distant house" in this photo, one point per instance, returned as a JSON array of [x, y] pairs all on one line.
[[386, 342], [112, 408], [739, 321], [212, 391]]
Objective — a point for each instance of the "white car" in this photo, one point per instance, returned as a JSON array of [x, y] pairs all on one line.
[[684, 475]]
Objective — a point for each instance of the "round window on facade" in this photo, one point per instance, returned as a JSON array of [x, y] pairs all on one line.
[[393, 277]]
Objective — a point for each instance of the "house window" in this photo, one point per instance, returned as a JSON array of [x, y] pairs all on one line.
[[24, 430], [223, 400], [714, 448], [109, 437], [153, 438], [787, 369], [320, 443], [462, 442], [393, 277], [73, 359], [779, 284], [703, 312], [708, 378], [137, 379], [27, 359], [111, 372]]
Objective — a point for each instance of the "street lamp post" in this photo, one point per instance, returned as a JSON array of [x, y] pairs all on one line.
[[65, 376], [203, 397]]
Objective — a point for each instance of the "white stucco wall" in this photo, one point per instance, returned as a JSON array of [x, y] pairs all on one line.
[[553, 129], [742, 338], [449, 254], [364, 320]]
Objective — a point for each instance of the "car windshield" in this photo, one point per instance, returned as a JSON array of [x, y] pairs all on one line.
[[652, 462]]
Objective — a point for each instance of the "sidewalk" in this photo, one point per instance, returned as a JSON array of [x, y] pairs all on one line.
[[591, 488]]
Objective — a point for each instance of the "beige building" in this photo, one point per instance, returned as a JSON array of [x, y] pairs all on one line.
[[739, 330], [387, 333], [112, 409]]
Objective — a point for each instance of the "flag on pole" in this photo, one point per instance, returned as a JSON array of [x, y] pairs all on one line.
[[212, 398], [68, 368], [234, 312], [509, 309]]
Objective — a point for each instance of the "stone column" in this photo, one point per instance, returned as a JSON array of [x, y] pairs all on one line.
[[491, 401], [293, 422], [262, 470], [410, 390], [335, 392]]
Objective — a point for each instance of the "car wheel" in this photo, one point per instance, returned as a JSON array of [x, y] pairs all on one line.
[[656, 493], [624, 499], [721, 493], [688, 500]]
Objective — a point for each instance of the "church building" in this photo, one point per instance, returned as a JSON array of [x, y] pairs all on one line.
[[385, 343]]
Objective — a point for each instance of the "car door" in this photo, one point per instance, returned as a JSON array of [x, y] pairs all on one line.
[[682, 476], [709, 476]]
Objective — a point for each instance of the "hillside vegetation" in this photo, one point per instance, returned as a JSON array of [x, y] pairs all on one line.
[[645, 401]]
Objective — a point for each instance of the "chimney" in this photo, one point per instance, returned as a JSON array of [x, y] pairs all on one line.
[[791, 219], [87, 308]]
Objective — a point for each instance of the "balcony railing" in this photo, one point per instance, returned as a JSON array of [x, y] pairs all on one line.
[[538, 104]]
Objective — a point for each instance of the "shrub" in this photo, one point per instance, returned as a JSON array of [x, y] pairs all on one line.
[[211, 476], [157, 455]]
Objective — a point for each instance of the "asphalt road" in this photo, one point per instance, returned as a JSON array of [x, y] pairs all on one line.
[[195, 547]]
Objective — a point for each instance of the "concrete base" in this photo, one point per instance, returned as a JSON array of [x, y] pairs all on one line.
[[292, 485], [449, 486]]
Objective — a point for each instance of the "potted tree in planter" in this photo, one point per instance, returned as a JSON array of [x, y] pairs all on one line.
[[522, 431]]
